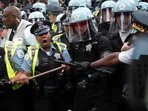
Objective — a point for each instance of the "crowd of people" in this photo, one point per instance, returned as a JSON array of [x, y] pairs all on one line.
[[73, 55]]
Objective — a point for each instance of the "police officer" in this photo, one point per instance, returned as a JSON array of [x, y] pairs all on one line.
[[41, 58], [86, 45], [62, 35], [105, 17], [130, 57], [15, 24], [54, 10], [13, 95], [14, 56], [121, 34]]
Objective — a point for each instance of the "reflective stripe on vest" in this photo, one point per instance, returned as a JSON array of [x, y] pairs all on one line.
[[33, 54], [56, 37], [54, 27], [60, 45], [11, 73], [96, 13]]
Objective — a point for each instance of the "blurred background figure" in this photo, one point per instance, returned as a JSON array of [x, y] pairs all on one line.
[[3, 32], [1, 5], [53, 11]]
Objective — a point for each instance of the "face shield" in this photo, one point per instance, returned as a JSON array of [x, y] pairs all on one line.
[[34, 20], [123, 20], [106, 14], [79, 32]]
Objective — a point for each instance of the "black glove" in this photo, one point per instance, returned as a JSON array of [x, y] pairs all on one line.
[[83, 65], [83, 84], [4, 83]]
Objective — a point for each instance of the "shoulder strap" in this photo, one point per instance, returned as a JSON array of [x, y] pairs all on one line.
[[60, 46], [33, 53]]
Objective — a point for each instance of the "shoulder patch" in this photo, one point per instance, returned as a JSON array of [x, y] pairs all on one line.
[[26, 57], [20, 53]]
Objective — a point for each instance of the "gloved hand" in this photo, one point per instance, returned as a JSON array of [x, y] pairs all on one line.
[[83, 84], [4, 83], [83, 65]]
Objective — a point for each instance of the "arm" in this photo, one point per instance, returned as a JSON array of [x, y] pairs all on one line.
[[110, 59], [67, 58], [126, 46], [22, 77]]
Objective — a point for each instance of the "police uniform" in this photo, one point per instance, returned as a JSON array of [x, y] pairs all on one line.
[[96, 92], [15, 95], [126, 56], [120, 77], [137, 71], [54, 9], [17, 34], [51, 85]]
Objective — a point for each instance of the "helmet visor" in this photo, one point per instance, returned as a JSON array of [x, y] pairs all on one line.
[[79, 32], [34, 20], [106, 14], [123, 21]]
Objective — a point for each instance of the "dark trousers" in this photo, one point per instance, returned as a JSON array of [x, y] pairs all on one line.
[[95, 96], [17, 100], [56, 100]]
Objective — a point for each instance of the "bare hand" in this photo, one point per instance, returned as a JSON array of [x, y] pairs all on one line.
[[20, 78], [126, 46]]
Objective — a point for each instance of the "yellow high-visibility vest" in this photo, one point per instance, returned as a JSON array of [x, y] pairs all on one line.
[[54, 27], [10, 49], [33, 53], [96, 13]]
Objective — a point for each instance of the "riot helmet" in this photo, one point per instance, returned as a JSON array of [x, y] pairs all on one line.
[[122, 14], [74, 4], [35, 17], [81, 25], [53, 2], [106, 11], [41, 6], [88, 4]]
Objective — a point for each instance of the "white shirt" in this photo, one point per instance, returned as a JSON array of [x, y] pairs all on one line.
[[19, 33], [126, 56], [30, 39], [124, 35]]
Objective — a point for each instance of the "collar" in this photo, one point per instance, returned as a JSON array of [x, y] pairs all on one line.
[[124, 35], [50, 52], [19, 25]]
